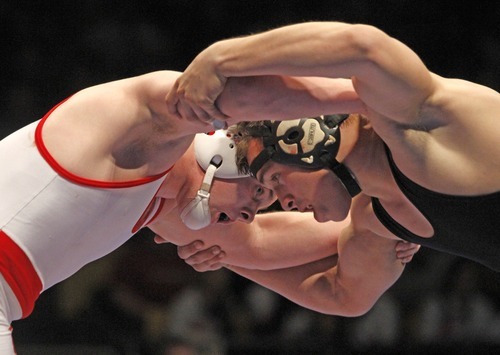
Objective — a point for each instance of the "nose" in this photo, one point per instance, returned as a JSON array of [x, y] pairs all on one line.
[[246, 216], [288, 203]]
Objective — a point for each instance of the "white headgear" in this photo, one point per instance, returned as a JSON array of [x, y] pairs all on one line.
[[216, 154]]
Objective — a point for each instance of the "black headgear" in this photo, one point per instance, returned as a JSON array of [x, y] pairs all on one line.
[[311, 143]]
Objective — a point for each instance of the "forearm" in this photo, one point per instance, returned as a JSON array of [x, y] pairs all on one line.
[[347, 285], [381, 67], [287, 239], [272, 241], [314, 286], [279, 97], [306, 49]]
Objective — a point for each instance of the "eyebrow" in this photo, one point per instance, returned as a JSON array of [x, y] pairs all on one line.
[[263, 171]]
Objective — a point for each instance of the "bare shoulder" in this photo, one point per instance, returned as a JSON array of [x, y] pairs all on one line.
[[467, 136], [457, 101], [106, 114], [457, 130], [119, 129]]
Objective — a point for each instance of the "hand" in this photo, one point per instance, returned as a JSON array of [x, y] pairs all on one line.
[[200, 257], [195, 92], [405, 251]]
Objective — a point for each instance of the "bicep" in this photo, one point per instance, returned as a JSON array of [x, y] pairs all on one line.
[[313, 285], [367, 266], [307, 285], [392, 81]]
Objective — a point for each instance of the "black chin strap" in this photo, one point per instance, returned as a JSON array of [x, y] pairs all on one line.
[[345, 176]]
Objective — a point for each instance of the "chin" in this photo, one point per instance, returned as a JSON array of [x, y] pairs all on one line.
[[321, 218], [335, 217]]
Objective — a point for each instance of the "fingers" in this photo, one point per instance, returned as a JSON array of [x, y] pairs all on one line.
[[190, 107], [185, 251], [212, 111], [159, 240], [200, 258], [403, 246], [208, 115], [205, 114], [405, 251], [405, 260], [203, 111]]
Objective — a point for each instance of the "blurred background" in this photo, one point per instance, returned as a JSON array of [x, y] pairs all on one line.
[[142, 299]]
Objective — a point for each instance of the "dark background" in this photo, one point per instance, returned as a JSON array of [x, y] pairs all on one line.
[[53, 48]]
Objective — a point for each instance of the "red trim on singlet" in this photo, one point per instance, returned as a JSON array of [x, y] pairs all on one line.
[[142, 220], [78, 179], [162, 202], [19, 273]]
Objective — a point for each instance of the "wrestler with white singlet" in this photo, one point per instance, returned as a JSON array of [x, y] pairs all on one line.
[[104, 163]]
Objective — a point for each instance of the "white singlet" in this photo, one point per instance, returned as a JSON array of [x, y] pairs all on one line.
[[52, 222]]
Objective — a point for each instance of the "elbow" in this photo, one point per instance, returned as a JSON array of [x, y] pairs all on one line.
[[368, 42], [356, 310], [345, 303], [351, 309]]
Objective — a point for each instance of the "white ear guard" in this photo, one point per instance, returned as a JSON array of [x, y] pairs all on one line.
[[221, 143], [196, 214], [215, 153]]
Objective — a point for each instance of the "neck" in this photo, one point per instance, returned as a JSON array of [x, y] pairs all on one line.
[[367, 161], [350, 132]]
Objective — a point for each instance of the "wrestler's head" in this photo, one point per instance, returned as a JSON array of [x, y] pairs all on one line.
[[236, 196], [297, 159]]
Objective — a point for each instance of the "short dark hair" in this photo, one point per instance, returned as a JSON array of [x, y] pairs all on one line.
[[243, 133]]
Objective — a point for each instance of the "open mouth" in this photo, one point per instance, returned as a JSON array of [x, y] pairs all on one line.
[[223, 218]]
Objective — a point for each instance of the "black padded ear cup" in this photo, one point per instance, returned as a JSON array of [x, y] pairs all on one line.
[[302, 142], [293, 135]]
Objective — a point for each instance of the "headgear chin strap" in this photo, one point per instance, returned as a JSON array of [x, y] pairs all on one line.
[[311, 143], [215, 153]]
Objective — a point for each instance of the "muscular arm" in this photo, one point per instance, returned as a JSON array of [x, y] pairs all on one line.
[[119, 130], [387, 75], [273, 240], [279, 97], [347, 285]]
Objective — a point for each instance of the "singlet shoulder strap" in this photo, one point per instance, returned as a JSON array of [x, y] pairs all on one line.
[[390, 223]]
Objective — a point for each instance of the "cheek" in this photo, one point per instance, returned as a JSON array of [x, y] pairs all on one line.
[[222, 195], [341, 201]]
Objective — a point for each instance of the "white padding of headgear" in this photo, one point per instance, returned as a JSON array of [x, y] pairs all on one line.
[[209, 145], [312, 136], [196, 214]]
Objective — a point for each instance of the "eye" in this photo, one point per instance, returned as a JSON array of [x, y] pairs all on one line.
[[275, 178], [259, 192]]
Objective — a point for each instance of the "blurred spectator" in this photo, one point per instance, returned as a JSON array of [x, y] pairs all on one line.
[[460, 311]]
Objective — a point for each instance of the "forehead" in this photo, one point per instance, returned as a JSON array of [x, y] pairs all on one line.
[[255, 146]]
